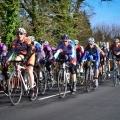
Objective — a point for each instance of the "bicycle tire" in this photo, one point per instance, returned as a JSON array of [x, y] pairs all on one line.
[[15, 88], [62, 83], [43, 83], [115, 73], [35, 86], [50, 83], [88, 80]]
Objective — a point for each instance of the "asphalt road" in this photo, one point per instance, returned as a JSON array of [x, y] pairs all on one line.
[[100, 104]]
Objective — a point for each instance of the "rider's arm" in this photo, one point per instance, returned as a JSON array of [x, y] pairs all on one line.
[[29, 48], [84, 56], [9, 53], [4, 50], [57, 53]]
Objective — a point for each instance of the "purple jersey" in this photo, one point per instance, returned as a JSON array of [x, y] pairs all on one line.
[[49, 51], [3, 49]]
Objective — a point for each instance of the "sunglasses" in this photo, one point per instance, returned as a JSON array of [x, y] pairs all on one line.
[[65, 41], [19, 33], [90, 44]]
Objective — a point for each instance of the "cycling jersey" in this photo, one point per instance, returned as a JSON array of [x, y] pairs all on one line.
[[95, 52], [106, 51], [49, 51], [69, 50], [3, 49], [115, 49], [23, 49], [79, 51], [37, 47]]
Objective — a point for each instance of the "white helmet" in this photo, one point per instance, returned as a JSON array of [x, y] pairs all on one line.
[[22, 30], [76, 42], [46, 43], [32, 38], [104, 45], [116, 40], [90, 40]]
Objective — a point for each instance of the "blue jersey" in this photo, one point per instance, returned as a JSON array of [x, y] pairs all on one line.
[[95, 52], [39, 50], [106, 51], [69, 50]]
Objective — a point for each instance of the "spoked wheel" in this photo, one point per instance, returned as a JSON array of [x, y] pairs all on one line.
[[50, 84], [62, 84], [15, 88], [104, 76], [35, 86], [43, 83], [89, 80], [115, 78], [88, 85]]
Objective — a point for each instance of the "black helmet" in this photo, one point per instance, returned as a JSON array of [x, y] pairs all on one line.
[[41, 41]]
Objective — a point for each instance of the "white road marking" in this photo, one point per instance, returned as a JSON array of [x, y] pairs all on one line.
[[50, 96]]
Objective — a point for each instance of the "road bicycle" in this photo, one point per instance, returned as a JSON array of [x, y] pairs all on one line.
[[3, 83], [64, 78], [116, 79], [80, 75], [18, 85], [44, 79], [89, 75], [103, 72]]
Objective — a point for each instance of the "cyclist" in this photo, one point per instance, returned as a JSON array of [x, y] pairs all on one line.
[[49, 52], [106, 57], [66, 49], [79, 53], [115, 47], [92, 51], [23, 48], [37, 47], [3, 49], [3, 52]]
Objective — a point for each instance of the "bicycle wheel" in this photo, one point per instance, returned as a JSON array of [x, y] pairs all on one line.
[[62, 83], [15, 88], [50, 83], [115, 73], [35, 86], [43, 83], [88, 80]]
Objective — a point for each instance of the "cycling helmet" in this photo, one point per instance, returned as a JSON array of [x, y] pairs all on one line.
[[76, 42], [90, 40], [32, 38], [104, 45], [41, 41], [22, 30], [46, 43], [116, 40], [65, 37], [89, 57]]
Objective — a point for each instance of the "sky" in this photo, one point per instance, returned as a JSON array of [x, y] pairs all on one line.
[[105, 12]]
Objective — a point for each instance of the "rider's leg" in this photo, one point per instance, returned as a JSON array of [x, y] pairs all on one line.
[[96, 73], [73, 75], [30, 64]]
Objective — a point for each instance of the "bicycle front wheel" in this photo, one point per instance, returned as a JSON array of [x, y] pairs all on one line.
[[88, 79], [43, 83], [35, 86], [15, 88], [62, 83]]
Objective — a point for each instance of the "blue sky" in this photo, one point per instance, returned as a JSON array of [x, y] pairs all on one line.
[[106, 12]]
